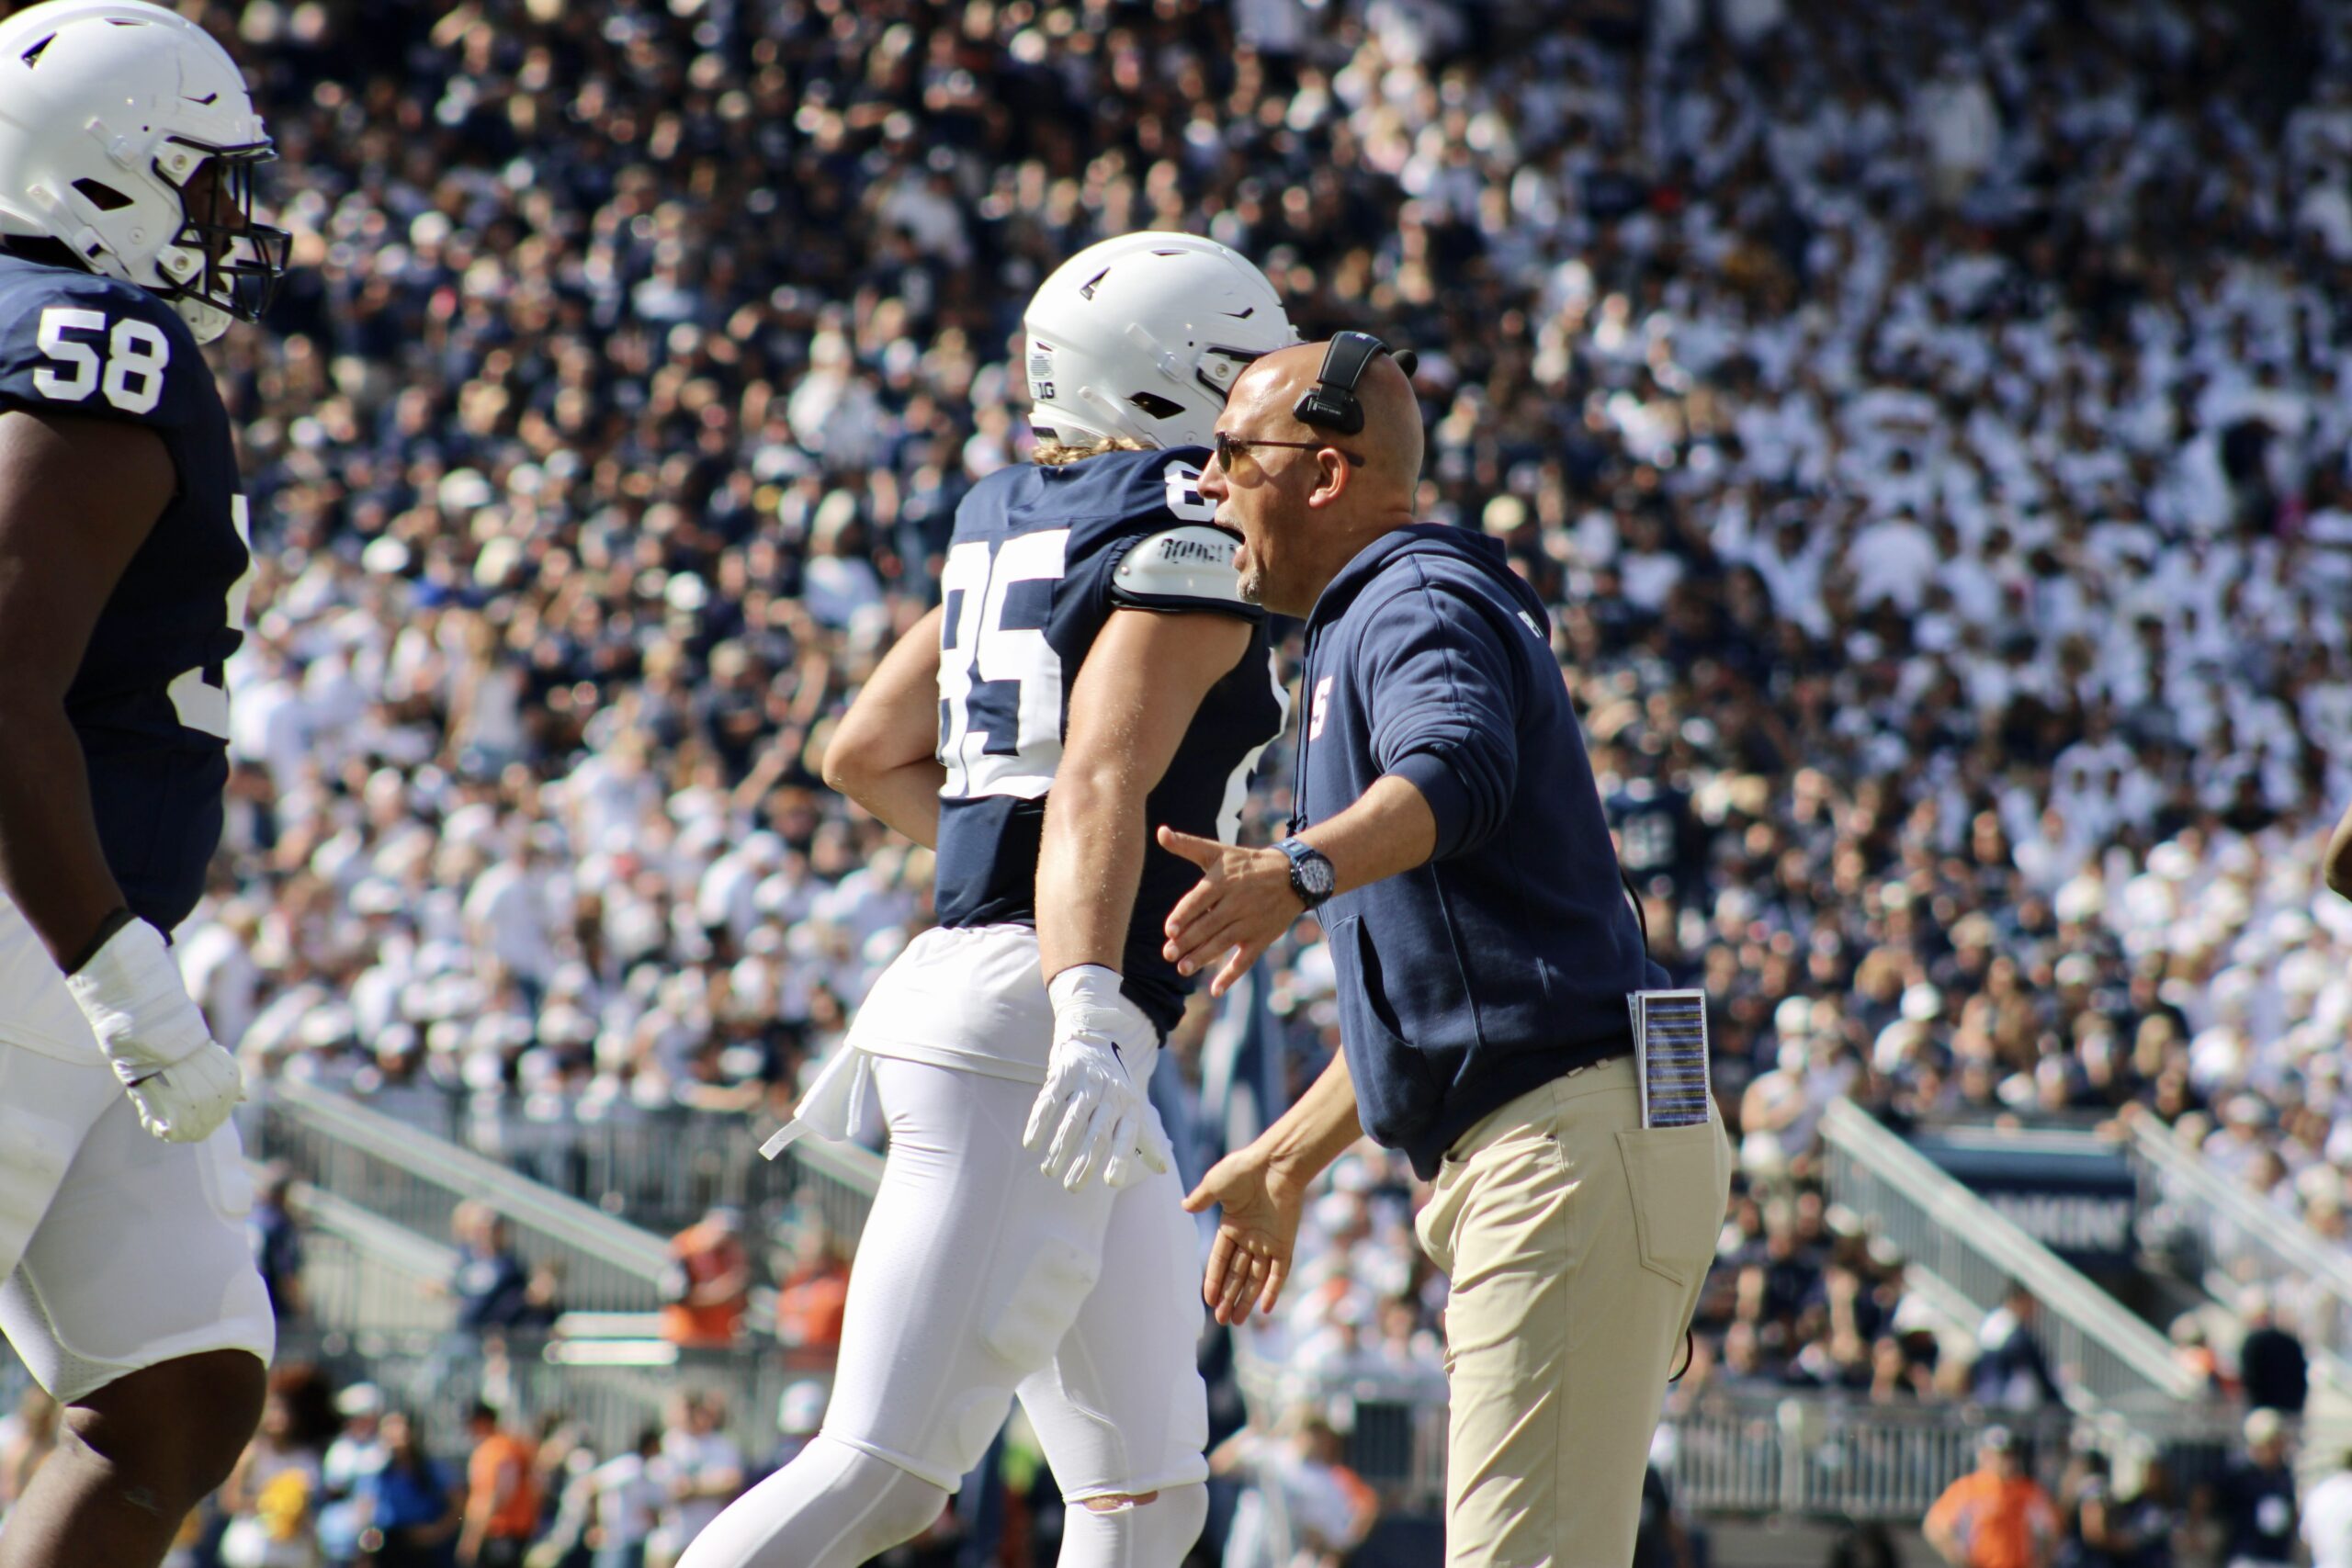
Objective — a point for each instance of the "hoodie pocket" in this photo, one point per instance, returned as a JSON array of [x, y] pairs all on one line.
[[1394, 1082]]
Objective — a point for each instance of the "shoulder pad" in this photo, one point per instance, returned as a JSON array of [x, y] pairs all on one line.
[[1186, 567]]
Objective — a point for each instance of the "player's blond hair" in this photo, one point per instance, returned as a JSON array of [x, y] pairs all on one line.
[[1055, 454]]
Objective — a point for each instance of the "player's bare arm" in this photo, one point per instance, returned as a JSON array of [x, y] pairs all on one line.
[[77, 498], [2337, 865], [1136, 697], [884, 755], [1142, 683]]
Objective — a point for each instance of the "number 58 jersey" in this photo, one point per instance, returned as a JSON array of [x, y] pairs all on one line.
[[148, 702], [1040, 558]]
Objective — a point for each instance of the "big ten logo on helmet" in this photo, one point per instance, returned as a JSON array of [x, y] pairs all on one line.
[[1041, 371]]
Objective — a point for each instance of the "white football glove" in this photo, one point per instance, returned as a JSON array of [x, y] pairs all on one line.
[[183, 1083], [1092, 1103]]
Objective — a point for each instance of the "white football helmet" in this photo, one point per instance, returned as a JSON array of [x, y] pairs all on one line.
[[111, 114], [1143, 336]]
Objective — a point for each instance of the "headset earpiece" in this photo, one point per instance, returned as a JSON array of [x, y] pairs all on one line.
[[1330, 404]]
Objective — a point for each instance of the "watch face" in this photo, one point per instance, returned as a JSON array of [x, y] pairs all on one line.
[[1315, 876]]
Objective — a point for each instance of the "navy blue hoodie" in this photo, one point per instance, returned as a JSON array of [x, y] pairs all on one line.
[[1504, 962]]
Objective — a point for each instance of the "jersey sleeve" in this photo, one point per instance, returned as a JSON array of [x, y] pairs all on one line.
[[74, 343]]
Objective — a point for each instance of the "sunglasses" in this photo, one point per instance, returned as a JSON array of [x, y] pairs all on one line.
[[1229, 449]]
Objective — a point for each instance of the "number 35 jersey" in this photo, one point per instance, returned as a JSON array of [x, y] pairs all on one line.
[[148, 702], [1040, 558]]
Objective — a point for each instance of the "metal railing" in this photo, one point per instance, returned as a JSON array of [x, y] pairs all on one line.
[[2233, 1238], [659, 1170], [1827, 1457], [2100, 1351], [406, 1175], [362, 1272], [612, 1390], [1823, 1456], [840, 1178]]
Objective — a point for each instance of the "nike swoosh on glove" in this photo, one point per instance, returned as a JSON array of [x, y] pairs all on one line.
[[1091, 1105], [182, 1082]]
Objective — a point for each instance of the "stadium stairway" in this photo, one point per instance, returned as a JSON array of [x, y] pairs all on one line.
[[381, 1165], [366, 1276], [2211, 1238], [2119, 1371], [612, 1254], [377, 1193], [660, 1169], [1963, 1253]]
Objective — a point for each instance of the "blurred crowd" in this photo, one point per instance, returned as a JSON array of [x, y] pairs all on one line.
[[347, 1478], [2254, 1508], [1926, 420]]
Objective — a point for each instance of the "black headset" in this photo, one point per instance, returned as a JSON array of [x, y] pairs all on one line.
[[1330, 404]]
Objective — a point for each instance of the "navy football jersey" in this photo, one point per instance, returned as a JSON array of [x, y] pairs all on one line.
[[1656, 835], [1039, 560], [148, 702]]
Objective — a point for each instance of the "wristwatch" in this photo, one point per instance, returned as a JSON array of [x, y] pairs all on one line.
[[1311, 876]]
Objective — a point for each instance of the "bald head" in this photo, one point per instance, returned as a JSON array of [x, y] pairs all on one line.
[[1306, 501], [1390, 442]]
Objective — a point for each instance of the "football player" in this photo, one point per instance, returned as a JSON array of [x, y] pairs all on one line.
[[127, 240], [1093, 668]]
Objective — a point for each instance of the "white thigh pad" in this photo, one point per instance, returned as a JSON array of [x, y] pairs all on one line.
[[971, 1271], [1121, 1409], [142, 1259], [1033, 1316]]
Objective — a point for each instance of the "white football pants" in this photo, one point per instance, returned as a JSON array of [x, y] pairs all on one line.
[[117, 1251], [979, 1278]]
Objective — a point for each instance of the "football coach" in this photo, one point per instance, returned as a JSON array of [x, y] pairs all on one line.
[[1449, 836]]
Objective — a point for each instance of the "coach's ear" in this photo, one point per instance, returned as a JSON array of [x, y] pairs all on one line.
[[1336, 473]]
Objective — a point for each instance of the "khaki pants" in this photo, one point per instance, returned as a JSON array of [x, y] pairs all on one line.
[[1576, 1241]]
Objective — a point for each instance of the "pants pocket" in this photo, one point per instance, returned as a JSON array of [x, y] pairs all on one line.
[[1678, 1185], [1433, 1228]]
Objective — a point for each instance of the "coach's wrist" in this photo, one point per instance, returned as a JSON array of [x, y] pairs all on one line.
[[1284, 1159]]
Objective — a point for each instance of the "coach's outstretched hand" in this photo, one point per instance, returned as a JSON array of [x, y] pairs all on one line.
[[1250, 1258], [1241, 906]]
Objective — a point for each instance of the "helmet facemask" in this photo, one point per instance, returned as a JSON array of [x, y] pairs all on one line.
[[223, 259]]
